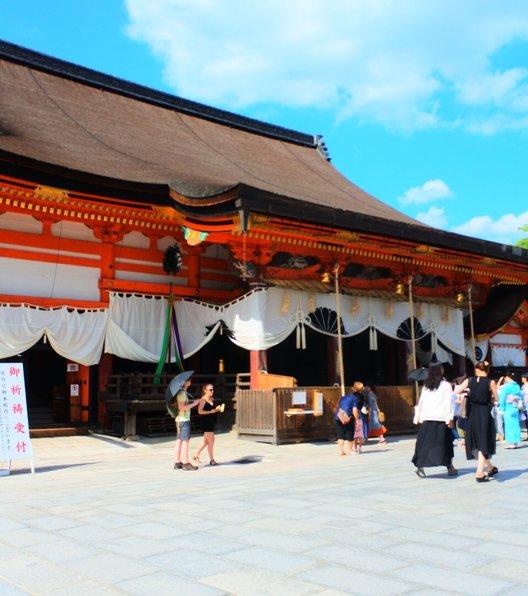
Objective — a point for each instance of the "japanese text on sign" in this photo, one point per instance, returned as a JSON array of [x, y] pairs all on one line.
[[14, 428]]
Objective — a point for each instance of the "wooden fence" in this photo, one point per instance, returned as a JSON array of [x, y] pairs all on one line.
[[271, 415]]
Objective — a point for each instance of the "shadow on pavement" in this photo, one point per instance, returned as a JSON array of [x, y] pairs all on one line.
[[247, 459], [44, 469]]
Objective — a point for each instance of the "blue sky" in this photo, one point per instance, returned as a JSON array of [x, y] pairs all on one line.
[[423, 104]]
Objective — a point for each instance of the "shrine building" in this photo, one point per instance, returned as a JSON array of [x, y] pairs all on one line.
[[138, 228]]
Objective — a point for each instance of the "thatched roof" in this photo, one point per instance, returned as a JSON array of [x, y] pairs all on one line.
[[84, 122], [87, 131]]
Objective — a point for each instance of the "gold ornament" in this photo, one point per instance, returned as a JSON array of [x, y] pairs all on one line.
[[311, 304], [355, 306], [285, 304]]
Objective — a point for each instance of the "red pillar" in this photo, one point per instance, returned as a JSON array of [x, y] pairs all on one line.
[[253, 368]]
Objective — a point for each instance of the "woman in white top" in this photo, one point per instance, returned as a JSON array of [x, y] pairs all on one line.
[[434, 413]]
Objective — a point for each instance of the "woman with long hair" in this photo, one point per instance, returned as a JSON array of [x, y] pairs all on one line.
[[480, 433], [376, 428], [434, 413], [208, 414]]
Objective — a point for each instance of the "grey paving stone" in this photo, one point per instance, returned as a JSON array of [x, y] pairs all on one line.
[[83, 588], [8, 525], [201, 540], [254, 582], [51, 523], [452, 581], [7, 589], [353, 581], [272, 560], [288, 542], [359, 558], [192, 564], [501, 550], [110, 568], [519, 539], [166, 584], [155, 527], [441, 556], [32, 574], [136, 547], [25, 537], [435, 538], [109, 519], [511, 570], [90, 534], [61, 550]]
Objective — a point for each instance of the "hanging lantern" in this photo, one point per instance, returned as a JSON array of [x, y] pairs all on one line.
[[400, 288]]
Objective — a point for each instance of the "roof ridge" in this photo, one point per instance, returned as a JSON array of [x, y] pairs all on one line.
[[94, 78]]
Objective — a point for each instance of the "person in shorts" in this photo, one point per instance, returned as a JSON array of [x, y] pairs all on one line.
[[183, 429]]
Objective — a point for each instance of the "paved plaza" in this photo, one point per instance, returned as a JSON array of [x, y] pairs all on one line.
[[103, 516]]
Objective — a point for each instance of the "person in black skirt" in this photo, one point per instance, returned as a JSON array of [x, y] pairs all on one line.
[[434, 413], [208, 411], [480, 433]]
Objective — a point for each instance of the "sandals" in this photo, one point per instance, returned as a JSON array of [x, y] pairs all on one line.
[[196, 459], [420, 472], [213, 463], [484, 478], [494, 471]]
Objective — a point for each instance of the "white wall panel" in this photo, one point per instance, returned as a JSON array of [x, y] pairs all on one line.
[[48, 280], [73, 230], [18, 222]]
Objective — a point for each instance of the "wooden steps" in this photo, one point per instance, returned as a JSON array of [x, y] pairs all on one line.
[[58, 431]]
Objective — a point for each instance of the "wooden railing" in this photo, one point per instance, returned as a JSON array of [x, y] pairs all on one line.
[[135, 403]]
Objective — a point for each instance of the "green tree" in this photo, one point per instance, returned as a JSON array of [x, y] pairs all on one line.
[[523, 242]]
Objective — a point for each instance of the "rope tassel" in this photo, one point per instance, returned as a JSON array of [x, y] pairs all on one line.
[[373, 339], [300, 338]]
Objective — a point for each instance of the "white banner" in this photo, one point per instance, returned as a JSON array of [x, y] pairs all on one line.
[[14, 428]]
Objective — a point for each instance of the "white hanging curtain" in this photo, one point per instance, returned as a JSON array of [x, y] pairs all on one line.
[[133, 327], [508, 355], [258, 320], [197, 324], [481, 349], [262, 319], [136, 327], [77, 335]]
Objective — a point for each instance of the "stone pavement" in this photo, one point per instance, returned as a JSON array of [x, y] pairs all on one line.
[[101, 516]]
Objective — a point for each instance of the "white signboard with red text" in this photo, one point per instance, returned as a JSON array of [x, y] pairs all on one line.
[[14, 428]]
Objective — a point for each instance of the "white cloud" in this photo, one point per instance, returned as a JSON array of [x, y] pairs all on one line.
[[434, 217], [402, 64], [431, 190], [504, 230], [498, 88]]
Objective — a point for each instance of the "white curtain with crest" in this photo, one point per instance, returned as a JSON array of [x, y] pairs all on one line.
[[133, 326]]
